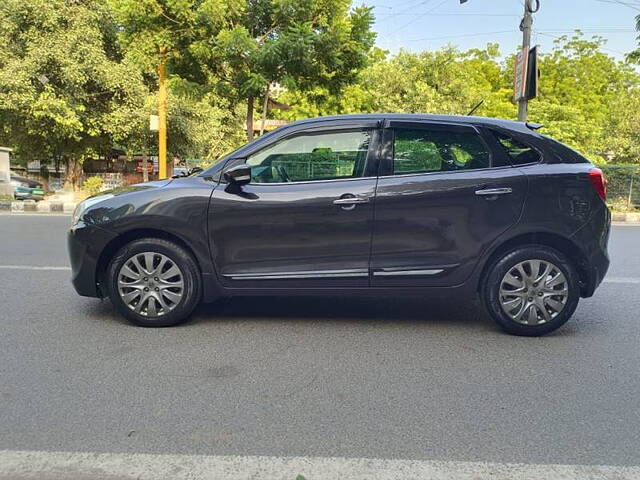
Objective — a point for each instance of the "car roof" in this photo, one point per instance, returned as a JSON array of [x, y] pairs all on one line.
[[460, 119], [521, 127]]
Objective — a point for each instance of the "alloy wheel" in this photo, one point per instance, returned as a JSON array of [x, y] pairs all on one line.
[[533, 292], [150, 284]]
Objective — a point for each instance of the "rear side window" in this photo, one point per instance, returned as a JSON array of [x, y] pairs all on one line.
[[426, 150], [519, 153]]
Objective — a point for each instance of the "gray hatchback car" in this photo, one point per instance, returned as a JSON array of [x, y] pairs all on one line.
[[389, 204]]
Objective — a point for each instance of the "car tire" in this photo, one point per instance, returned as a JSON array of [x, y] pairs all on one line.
[[522, 306], [154, 282]]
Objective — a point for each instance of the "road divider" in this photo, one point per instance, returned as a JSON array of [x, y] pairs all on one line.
[[44, 206], [32, 267]]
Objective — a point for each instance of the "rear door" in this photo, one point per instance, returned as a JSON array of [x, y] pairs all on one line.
[[442, 198], [306, 218]]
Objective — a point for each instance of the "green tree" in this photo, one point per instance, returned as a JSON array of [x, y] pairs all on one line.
[[587, 99], [581, 92], [63, 81], [298, 44]]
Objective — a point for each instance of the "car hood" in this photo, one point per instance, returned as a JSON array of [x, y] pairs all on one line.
[[136, 187]]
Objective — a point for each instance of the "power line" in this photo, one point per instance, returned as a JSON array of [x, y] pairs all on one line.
[[405, 11], [601, 47], [455, 14], [420, 16], [632, 6], [460, 36]]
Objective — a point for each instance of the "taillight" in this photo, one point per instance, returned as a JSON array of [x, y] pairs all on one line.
[[598, 182]]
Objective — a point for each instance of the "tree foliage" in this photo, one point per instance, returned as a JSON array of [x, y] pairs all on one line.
[[78, 78], [587, 99], [64, 85]]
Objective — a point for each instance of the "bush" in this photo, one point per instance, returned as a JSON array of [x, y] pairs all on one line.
[[623, 186], [92, 185]]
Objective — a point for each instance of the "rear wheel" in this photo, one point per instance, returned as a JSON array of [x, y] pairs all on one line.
[[531, 291], [154, 282]]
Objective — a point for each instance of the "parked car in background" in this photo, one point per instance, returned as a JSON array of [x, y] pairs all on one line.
[[426, 205], [26, 188]]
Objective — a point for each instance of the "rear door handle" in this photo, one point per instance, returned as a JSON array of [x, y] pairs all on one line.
[[494, 191]]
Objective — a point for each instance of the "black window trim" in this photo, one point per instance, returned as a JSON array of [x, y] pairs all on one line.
[[386, 161], [370, 168]]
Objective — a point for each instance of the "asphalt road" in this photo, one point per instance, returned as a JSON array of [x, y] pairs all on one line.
[[382, 378]]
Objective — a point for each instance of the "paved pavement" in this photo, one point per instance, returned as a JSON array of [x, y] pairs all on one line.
[[385, 378]]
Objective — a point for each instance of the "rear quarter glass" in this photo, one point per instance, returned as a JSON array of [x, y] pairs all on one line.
[[562, 152]]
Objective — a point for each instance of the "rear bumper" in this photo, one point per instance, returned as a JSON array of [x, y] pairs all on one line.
[[594, 240], [85, 243]]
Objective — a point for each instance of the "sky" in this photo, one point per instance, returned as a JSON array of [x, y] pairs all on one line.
[[417, 25]]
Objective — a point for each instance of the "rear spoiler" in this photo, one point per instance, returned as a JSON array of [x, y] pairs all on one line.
[[533, 126]]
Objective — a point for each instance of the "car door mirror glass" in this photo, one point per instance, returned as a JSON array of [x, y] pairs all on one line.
[[238, 175]]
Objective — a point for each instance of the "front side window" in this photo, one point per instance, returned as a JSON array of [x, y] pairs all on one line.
[[519, 153], [431, 150], [312, 156]]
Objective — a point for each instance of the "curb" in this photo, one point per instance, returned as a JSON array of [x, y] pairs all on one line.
[[31, 206], [626, 217]]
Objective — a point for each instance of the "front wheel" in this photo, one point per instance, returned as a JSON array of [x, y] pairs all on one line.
[[154, 282], [531, 291]]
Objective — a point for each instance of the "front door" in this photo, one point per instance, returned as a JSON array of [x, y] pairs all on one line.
[[305, 219], [442, 200]]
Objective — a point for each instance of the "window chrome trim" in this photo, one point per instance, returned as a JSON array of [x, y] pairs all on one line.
[[299, 275]]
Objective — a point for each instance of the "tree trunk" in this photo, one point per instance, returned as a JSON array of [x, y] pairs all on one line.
[[250, 118], [72, 173], [265, 104], [145, 171]]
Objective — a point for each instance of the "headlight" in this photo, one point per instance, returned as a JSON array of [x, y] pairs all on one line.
[[82, 207], [77, 212]]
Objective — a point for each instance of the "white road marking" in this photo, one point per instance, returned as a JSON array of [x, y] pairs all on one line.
[[31, 267], [44, 465], [633, 280]]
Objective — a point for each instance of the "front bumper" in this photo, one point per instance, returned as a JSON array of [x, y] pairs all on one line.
[[85, 243]]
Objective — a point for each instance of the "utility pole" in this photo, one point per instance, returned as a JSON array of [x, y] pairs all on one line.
[[522, 73], [525, 26], [162, 116]]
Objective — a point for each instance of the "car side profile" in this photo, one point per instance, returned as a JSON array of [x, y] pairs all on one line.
[[377, 204]]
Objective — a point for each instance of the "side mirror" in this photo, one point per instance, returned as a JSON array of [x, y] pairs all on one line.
[[238, 175]]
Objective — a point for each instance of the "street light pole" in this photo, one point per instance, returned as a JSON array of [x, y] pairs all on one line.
[[525, 26], [162, 116]]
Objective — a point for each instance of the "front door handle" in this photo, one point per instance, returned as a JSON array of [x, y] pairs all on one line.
[[494, 191], [349, 201]]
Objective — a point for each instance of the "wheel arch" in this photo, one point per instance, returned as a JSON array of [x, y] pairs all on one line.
[[118, 242], [563, 244]]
